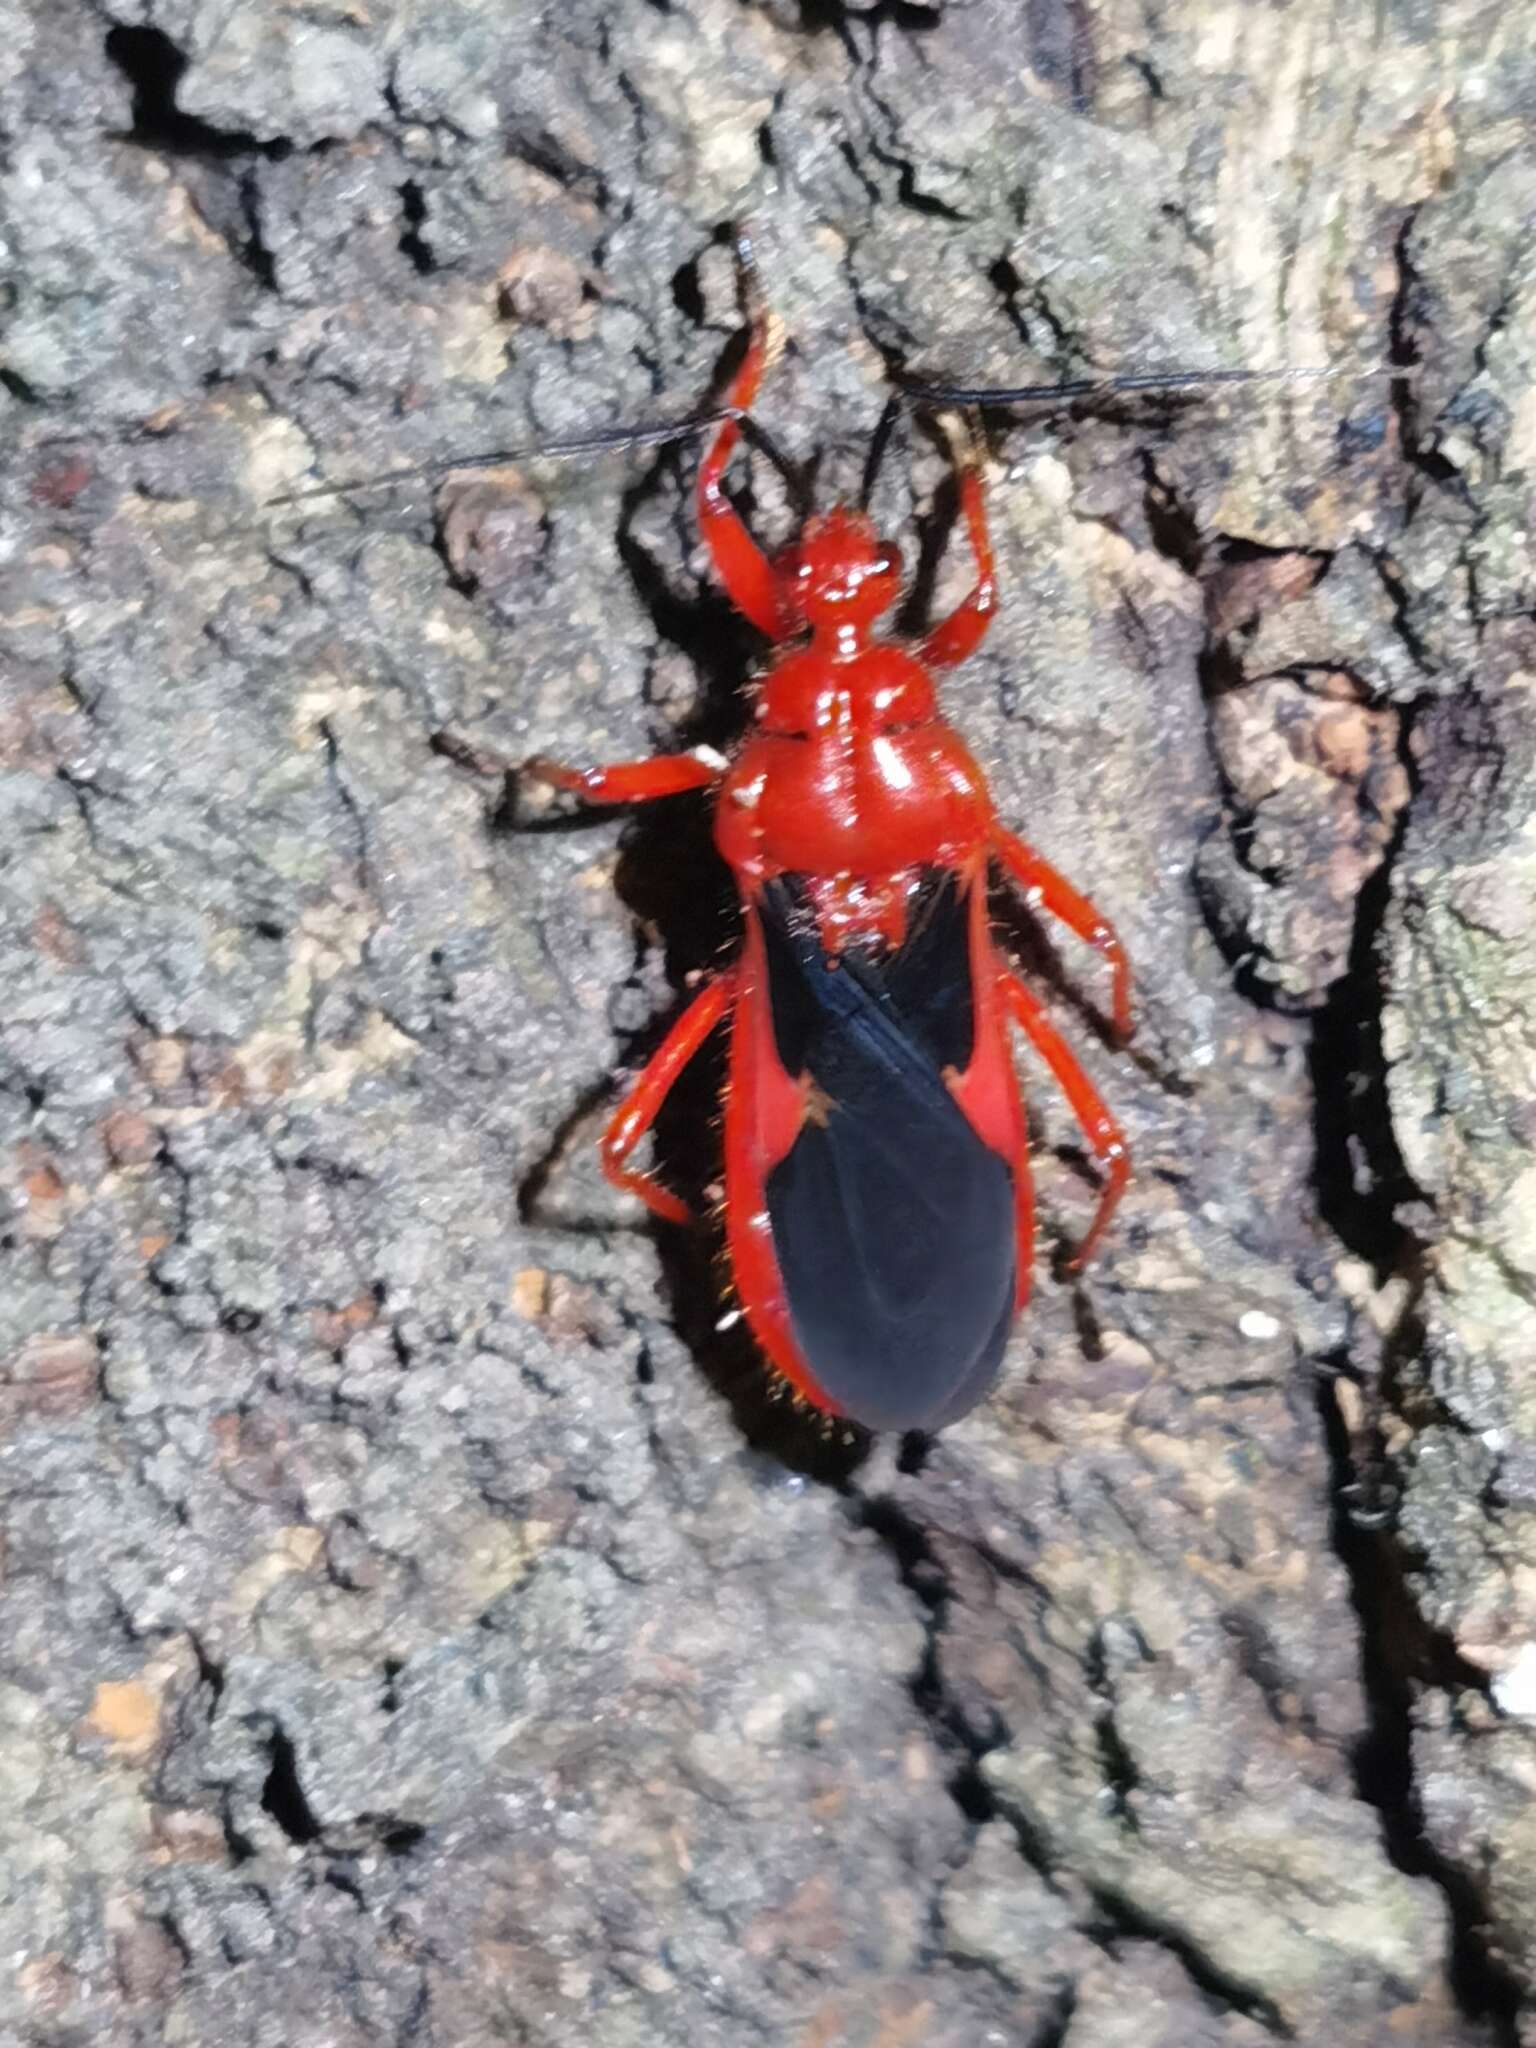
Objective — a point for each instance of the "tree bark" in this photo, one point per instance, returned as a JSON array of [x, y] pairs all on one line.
[[419, 1623]]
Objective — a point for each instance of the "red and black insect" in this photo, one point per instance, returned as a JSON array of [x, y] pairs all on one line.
[[879, 1218]]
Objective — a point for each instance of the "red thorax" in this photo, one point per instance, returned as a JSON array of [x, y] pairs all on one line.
[[850, 775]]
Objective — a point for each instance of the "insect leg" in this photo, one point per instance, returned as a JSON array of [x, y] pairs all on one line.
[[630, 782], [1041, 884], [740, 563], [1105, 1138], [640, 1107], [952, 639]]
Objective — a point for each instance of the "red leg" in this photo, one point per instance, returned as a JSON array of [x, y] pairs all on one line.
[[1042, 885], [627, 782], [1104, 1135], [630, 782], [740, 563], [952, 639], [640, 1107]]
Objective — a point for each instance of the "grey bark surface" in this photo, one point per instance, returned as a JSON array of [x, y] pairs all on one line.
[[416, 1625]]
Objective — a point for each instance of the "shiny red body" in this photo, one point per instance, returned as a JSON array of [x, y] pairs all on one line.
[[852, 790]]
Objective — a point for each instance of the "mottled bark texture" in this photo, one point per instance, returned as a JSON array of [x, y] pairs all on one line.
[[415, 1626]]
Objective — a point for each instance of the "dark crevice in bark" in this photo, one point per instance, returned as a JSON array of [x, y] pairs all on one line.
[[1224, 1992], [541, 151], [924, 1575], [154, 66], [839, 17], [1122, 1778], [238, 1845], [394, 1835], [342, 1877], [1408, 313], [282, 1795], [1398, 1654], [413, 244], [1175, 531], [1364, 1194], [908, 192], [1359, 1175], [1054, 2030], [254, 253]]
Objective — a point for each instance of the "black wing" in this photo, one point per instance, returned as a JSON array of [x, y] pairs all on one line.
[[892, 1220]]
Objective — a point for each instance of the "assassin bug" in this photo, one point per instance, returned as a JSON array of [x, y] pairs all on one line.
[[879, 1217]]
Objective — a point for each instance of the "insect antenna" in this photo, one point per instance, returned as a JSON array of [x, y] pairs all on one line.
[[600, 441], [1120, 383], [606, 440]]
